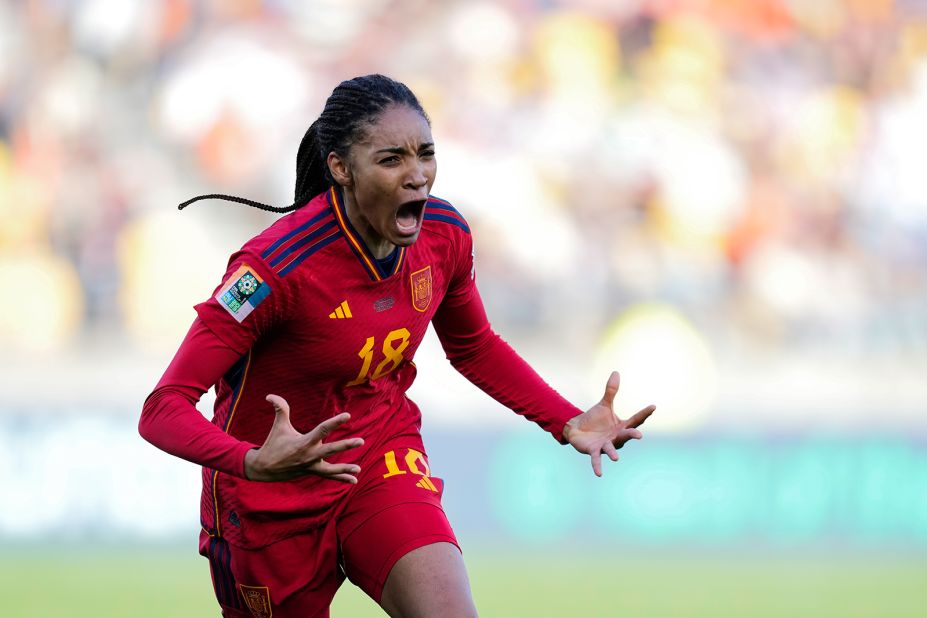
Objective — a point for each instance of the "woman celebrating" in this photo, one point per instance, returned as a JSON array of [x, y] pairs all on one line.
[[320, 315]]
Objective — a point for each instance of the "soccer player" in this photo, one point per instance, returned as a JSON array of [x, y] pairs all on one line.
[[313, 464]]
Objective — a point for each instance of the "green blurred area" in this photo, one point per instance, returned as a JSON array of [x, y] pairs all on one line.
[[173, 583]]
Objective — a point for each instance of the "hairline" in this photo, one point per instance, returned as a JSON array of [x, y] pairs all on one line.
[[361, 134]]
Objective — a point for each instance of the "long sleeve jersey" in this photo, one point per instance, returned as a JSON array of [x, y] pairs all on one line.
[[306, 312]]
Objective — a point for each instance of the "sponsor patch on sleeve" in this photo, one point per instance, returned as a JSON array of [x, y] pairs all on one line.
[[243, 292]]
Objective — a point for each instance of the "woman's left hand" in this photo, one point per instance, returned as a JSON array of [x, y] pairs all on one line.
[[598, 430]]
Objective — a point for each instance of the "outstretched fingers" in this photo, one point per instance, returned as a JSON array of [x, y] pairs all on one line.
[[638, 419], [344, 478], [611, 389], [626, 434], [346, 473], [610, 450], [281, 409], [596, 456], [330, 448], [326, 427]]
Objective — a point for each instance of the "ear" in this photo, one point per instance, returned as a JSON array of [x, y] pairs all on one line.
[[339, 169]]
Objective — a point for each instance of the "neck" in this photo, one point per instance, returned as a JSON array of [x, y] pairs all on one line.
[[378, 246]]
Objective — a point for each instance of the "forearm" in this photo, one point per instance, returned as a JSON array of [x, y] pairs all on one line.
[[502, 374], [169, 417], [171, 422], [478, 353]]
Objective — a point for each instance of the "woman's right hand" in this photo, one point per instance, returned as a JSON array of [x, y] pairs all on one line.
[[287, 454]]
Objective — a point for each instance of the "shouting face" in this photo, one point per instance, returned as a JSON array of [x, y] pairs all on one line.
[[387, 177]]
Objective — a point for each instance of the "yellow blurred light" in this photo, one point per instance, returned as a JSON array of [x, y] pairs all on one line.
[[913, 39], [576, 53], [684, 67], [23, 205], [431, 95], [48, 303], [663, 360], [826, 133], [691, 34], [168, 264]]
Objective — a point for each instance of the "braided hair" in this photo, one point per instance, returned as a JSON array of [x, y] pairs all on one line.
[[352, 106]]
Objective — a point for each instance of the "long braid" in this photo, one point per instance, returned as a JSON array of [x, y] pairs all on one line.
[[240, 200], [312, 175], [352, 106]]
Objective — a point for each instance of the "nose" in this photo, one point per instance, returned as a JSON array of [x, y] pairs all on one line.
[[417, 176]]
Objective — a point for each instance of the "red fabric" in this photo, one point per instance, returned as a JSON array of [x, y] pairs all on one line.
[[375, 548], [393, 509], [169, 417], [328, 334], [293, 578]]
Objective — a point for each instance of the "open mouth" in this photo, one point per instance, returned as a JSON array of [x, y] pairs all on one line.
[[409, 216]]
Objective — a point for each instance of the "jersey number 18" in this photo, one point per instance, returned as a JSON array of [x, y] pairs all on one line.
[[392, 355]]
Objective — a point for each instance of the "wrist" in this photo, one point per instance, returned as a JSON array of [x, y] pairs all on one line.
[[250, 466], [568, 429]]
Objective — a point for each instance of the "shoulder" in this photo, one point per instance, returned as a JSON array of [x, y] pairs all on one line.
[[293, 239], [443, 218]]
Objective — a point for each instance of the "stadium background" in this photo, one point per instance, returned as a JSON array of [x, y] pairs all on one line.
[[724, 200]]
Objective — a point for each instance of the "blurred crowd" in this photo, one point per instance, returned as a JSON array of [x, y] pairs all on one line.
[[756, 164]]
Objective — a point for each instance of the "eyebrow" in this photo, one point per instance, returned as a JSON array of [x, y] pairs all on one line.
[[400, 150]]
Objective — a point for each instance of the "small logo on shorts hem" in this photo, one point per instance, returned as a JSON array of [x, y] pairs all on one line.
[[257, 600], [426, 483]]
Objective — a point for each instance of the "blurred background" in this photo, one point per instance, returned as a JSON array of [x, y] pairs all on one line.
[[722, 199]]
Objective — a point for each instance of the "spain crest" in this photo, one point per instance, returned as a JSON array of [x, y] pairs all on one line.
[[421, 288], [257, 598]]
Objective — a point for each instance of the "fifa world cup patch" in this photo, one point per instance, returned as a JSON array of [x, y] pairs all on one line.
[[242, 292]]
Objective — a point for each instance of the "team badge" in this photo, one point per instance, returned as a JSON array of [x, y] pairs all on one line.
[[257, 598], [242, 292], [421, 288]]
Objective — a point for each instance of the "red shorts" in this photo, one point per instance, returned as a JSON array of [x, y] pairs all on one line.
[[395, 508]]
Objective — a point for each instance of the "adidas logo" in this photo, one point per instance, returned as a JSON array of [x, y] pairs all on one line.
[[341, 311], [426, 483]]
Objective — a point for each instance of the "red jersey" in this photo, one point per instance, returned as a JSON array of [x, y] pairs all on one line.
[[306, 312]]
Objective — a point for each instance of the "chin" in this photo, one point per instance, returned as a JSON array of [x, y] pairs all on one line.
[[405, 241]]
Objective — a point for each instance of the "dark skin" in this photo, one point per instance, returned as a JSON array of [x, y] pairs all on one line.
[[287, 454], [386, 177], [599, 430]]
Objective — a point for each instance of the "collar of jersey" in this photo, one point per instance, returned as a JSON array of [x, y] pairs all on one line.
[[366, 258]]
